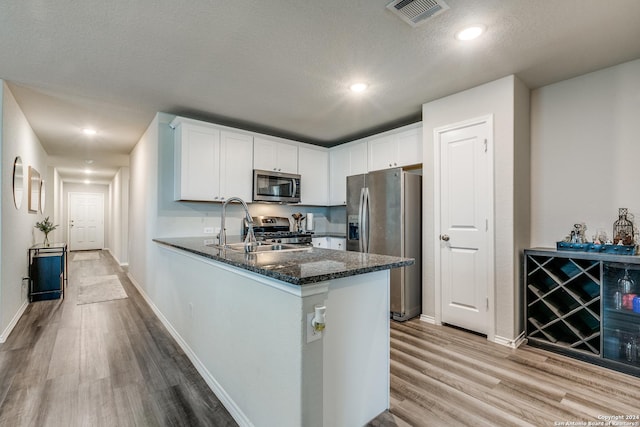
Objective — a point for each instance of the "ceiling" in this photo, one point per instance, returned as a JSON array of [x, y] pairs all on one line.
[[278, 67]]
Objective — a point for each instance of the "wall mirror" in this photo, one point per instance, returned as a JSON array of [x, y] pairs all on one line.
[[34, 190], [18, 182]]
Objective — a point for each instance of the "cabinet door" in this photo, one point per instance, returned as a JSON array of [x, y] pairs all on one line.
[[287, 158], [320, 242], [197, 159], [313, 166], [265, 155], [357, 159], [382, 153], [236, 163], [408, 147], [338, 171], [338, 243], [276, 156]]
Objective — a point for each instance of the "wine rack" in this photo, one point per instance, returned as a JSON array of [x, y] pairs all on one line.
[[563, 301], [571, 306]]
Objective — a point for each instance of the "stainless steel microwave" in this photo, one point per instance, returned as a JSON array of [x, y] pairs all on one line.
[[271, 186]]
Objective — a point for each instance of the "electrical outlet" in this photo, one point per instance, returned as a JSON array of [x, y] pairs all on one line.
[[209, 242], [208, 230], [312, 334]]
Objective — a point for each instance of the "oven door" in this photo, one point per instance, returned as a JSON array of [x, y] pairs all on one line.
[[269, 186]]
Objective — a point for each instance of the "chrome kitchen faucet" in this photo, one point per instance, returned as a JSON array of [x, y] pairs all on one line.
[[251, 238]]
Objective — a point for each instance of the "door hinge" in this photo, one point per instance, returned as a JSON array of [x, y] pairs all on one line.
[[486, 224], [487, 303], [485, 145]]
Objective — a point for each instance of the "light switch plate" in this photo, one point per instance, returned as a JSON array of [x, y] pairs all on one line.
[[208, 230]]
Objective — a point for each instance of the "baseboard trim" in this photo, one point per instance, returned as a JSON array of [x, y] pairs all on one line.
[[214, 385], [123, 265], [514, 343], [428, 319], [14, 322]]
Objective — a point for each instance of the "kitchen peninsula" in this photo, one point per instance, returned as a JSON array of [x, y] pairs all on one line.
[[247, 329]]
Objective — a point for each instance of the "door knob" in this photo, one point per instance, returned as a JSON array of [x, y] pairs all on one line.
[[444, 237]]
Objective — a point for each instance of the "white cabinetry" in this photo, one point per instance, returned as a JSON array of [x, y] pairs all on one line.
[[272, 155], [397, 148], [320, 242], [338, 243], [313, 167], [236, 158], [345, 160], [210, 164]]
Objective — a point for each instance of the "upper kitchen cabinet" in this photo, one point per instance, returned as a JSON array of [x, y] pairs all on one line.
[[197, 160], [400, 147], [313, 167], [236, 173], [272, 155], [345, 160], [210, 164]]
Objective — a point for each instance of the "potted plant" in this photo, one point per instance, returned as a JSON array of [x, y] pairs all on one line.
[[46, 227]]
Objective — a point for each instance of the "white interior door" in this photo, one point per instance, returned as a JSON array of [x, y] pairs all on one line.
[[465, 228], [86, 221]]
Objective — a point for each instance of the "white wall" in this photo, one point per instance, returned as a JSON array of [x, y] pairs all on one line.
[[17, 232], [118, 196], [511, 147], [143, 204], [55, 203], [585, 152]]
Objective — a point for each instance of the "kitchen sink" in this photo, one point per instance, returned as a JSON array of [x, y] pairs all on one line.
[[263, 247]]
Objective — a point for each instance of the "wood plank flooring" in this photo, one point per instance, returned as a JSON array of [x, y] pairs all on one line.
[[441, 376], [104, 364], [113, 364]]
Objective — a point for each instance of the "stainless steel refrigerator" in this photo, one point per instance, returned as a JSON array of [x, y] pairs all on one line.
[[384, 216]]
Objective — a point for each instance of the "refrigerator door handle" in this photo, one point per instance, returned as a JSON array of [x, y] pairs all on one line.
[[365, 218], [360, 223]]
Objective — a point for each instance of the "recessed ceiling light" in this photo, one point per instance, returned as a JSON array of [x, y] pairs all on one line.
[[88, 131], [89, 161], [470, 33], [87, 171], [358, 87], [86, 181]]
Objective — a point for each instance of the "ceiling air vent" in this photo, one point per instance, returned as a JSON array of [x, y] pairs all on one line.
[[415, 12]]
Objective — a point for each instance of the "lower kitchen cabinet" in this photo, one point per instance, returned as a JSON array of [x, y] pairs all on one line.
[[585, 305], [320, 242], [337, 243]]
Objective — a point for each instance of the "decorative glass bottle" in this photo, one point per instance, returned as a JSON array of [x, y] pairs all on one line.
[[623, 228], [625, 286]]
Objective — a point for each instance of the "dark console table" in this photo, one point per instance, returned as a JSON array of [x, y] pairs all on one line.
[[47, 271]]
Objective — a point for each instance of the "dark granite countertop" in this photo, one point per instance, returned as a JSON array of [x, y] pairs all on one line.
[[302, 267]]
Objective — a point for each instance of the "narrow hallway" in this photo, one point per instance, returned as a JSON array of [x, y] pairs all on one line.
[[76, 362]]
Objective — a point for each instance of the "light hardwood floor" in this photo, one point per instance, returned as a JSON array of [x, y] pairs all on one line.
[[113, 364], [103, 364], [441, 376]]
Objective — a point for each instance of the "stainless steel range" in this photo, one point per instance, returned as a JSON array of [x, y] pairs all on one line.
[[277, 229]]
